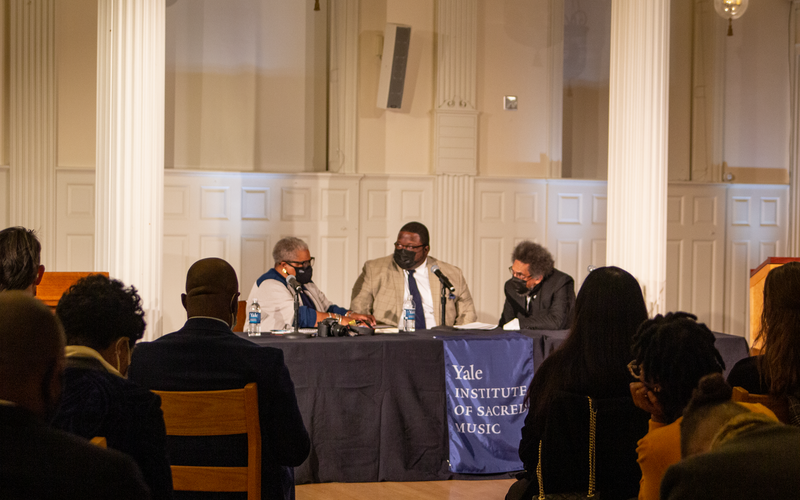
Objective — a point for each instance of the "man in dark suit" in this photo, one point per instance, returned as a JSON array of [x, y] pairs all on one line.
[[35, 460], [539, 296], [206, 355]]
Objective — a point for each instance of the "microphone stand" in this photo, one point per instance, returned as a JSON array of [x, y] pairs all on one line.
[[296, 334], [445, 293]]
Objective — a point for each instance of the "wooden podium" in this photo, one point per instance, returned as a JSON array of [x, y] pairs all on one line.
[[54, 284], [757, 278]]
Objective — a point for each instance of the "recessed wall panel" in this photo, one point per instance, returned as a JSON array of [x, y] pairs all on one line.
[[255, 203], [378, 247], [675, 209], [377, 205], [569, 208], [175, 205], [80, 200], [333, 252], [492, 275], [295, 204], [568, 257], [525, 208], [598, 253], [769, 211], [214, 203], [335, 204], [740, 210], [492, 207], [767, 249], [739, 291], [599, 209], [705, 210], [674, 275]]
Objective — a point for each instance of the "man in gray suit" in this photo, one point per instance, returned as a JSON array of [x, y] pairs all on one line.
[[386, 283]]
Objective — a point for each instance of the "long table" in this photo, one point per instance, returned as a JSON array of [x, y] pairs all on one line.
[[375, 407]]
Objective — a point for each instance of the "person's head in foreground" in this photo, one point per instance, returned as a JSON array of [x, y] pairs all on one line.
[[671, 354], [593, 359], [20, 260], [105, 315], [711, 418], [212, 290], [31, 354], [780, 334]]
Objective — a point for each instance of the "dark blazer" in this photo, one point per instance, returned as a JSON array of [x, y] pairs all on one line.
[[745, 374], [552, 302], [37, 462], [763, 464], [97, 403], [205, 355]]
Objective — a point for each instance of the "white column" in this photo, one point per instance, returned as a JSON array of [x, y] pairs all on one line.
[[343, 86], [793, 246], [32, 117], [455, 149], [637, 149], [130, 147]]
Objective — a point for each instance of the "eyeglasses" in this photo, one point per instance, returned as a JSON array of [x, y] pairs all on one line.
[[518, 275], [413, 248], [635, 370], [305, 264]]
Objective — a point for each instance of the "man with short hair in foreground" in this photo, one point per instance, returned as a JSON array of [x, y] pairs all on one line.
[[35, 460], [205, 355]]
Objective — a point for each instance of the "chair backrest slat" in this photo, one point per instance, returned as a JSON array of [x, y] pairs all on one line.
[[216, 413]]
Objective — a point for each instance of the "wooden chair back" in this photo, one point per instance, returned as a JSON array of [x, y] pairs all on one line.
[[778, 405], [216, 413], [241, 317], [54, 284], [99, 441]]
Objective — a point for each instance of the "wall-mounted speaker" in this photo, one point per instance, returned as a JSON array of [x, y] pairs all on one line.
[[393, 66]]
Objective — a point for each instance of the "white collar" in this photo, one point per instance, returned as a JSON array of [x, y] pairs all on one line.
[[81, 351]]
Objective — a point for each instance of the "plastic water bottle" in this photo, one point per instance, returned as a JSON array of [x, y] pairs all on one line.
[[254, 320], [409, 315]]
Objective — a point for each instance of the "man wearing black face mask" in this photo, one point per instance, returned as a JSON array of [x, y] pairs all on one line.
[[385, 283], [276, 295], [540, 297]]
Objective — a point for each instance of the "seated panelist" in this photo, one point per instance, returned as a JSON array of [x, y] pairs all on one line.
[[385, 284], [276, 295], [539, 296]]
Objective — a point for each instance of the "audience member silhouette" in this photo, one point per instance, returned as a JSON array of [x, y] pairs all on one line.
[[35, 460], [20, 256], [730, 452], [592, 361], [776, 370], [103, 320], [206, 355]]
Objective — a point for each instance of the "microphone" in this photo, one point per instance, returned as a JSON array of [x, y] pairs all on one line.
[[294, 283], [445, 282]]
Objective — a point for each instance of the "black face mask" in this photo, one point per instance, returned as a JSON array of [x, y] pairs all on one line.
[[303, 274], [405, 258], [519, 285]]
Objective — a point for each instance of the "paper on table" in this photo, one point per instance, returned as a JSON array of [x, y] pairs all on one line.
[[477, 326], [512, 325]]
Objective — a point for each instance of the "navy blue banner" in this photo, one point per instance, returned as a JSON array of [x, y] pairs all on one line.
[[486, 380]]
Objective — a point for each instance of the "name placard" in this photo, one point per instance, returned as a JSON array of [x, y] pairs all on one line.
[[486, 381]]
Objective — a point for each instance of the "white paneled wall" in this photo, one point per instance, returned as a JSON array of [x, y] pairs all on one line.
[[757, 228], [75, 220], [576, 226], [507, 211], [716, 233], [696, 251]]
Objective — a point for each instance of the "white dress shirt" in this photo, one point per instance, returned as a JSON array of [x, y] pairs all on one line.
[[422, 277]]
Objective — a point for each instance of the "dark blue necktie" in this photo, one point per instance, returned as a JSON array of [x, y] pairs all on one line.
[[419, 313]]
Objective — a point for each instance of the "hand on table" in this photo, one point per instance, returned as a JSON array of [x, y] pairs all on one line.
[[366, 318], [646, 399]]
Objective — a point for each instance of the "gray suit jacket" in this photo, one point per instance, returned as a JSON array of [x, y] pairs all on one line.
[[379, 291]]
